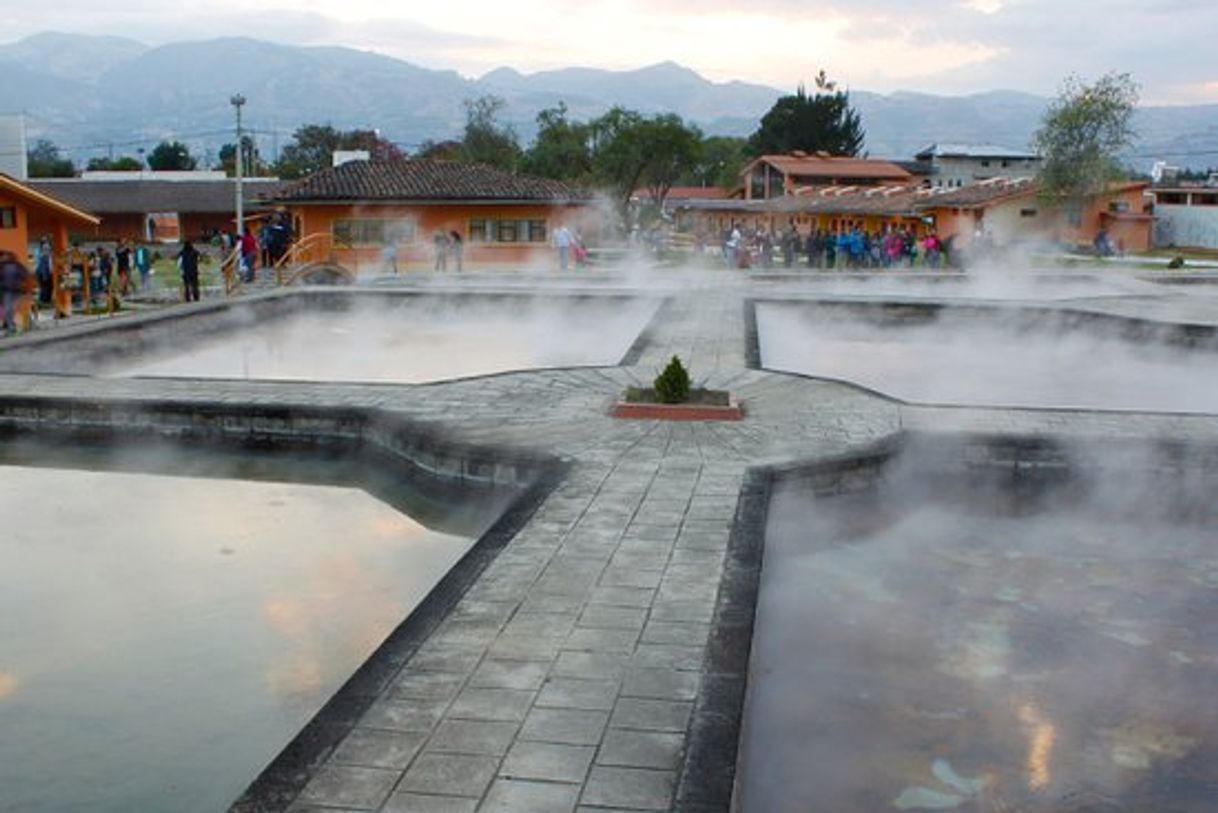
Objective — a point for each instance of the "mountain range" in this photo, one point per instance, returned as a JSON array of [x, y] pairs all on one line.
[[97, 94]]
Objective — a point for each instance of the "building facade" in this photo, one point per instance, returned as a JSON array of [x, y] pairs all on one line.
[[1186, 215], [26, 215], [776, 176], [952, 166], [362, 211]]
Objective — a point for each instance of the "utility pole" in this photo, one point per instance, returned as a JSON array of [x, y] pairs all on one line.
[[237, 101]]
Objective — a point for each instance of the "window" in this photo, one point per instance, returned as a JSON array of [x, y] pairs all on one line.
[[1118, 206], [8, 217], [985, 163], [373, 231], [1027, 213], [1006, 164], [1205, 200], [1176, 198], [497, 230]]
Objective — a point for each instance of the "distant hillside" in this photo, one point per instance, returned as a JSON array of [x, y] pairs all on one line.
[[82, 90]]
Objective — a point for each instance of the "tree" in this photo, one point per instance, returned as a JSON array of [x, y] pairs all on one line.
[[561, 148], [722, 158], [1081, 135], [485, 140], [630, 151], [672, 149], [448, 150], [43, 161], [253, 166], [823, 122], [171, 155], [124, 163], [313, 146]]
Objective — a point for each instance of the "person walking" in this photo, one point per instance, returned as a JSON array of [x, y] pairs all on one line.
[[249, 254], [188, 265], [44, 270], [14, 279], [457, 246], [562, 242], [122, 262]]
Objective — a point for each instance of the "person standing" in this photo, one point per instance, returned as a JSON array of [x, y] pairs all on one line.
[[457, 245], [188, 264], [389, 256], [249, 254], [440, 241], [14, 278], [122, 261], [143, 264], [44, 270], [562, 242]]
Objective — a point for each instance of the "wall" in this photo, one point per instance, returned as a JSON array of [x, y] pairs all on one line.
[[16, 239], [964, 171], [430, 219], [1186, 226]]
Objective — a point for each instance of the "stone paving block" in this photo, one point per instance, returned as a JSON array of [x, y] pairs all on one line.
[[374, 748], [590, 665], [668, 632], [546, 761], [633, 788], [451, 660], [551, 603], [650, 715], [699, 612], [465, 633], [630, 577], [564, 726], [661, 684], [641, 749], [419, 803], [524, 648], [450, 774], [602, 640], [622, 596], [473, 737], [605, 616], [412, 685], [546, 626], [592, 695], [513, 796], [350, 787], [648, 532], [492, 704], [507, 674], [404, 715]]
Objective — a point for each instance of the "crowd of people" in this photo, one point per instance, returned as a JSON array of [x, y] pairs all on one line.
[[847, 248]]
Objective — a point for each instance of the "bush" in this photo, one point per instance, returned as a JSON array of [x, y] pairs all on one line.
[[1176, 262], [672, 385]]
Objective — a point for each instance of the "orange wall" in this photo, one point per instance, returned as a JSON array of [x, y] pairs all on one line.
[[446, 218], [15, 240]]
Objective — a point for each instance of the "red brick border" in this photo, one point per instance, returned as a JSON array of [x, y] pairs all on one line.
[[676, 412]]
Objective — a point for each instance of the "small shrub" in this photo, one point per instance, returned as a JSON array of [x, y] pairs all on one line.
[[672, 385], [1176, 262]]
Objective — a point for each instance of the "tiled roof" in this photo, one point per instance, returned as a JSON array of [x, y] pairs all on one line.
[[150, 195], [986, 192], [830, 166], [424, 180], [689, 193]]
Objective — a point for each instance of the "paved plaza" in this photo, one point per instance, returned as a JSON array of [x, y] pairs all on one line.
[[574, 673]]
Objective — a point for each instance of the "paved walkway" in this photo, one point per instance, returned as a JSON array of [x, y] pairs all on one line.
[[566, 678]]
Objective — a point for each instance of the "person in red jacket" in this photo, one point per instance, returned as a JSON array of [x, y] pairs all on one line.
[[249, 254]]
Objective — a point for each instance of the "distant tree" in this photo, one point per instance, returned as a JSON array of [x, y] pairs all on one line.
[[171, 155], [561, 149], [43, 161], [449, 150], [630, 151], [124, 163], [1082, 134], [313, 146], [253, 166], [486, 141], [824, 122], [722, 158]]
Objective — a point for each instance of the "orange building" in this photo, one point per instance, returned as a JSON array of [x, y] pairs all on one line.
[[27, 214], [773, 176], [361, 212], [1006, 212]]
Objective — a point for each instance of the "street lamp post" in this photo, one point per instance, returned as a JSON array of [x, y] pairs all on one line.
[[237, 101]]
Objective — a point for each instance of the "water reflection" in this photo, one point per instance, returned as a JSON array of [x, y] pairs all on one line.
[[934, 655], [988, 364], [413, 343], [162, 638]]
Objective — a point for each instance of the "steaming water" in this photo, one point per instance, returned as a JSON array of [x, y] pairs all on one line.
[[994, 365], [412, 344], [162, 638], [937, 657]]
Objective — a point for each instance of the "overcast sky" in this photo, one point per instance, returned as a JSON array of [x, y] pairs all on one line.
[[940, 46]]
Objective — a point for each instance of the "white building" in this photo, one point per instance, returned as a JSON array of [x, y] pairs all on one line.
[[13, 146], [957, 165]]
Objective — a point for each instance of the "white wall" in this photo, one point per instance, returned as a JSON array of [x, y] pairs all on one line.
[[12, 146], [1186, 226]]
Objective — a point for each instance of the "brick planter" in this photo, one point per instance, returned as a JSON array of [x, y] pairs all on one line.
[[676, 412]]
